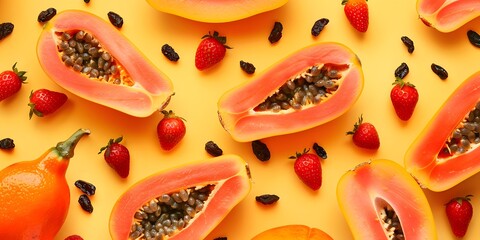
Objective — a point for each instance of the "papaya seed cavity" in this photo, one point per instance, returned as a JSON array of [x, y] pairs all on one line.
[[82, 52], [169, 213], [311, 86], [389, 220]]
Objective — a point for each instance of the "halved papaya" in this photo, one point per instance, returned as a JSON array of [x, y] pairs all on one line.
[[93, 60], [380, 200], [293, 232], [310, 87], [447, 16], [446, 151], [215, 11], [186, 202]]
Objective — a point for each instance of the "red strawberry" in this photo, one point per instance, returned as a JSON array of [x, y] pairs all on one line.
[[170, 130], [74, 237], [459, 213], [308, 168], [210, 51], [11, 82], [44, 102], [357, 13], [117, 156], [365, 135], [404, 98]]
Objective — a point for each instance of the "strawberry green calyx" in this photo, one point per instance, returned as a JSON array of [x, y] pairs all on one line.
[[20, 74], [356, 125], [220, 39], [401, 83], [345, 1], [110, 142]]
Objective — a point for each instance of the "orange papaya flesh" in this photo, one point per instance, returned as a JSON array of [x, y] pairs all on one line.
[[380, 200], [437, 158], [223, 181], [271, 105], [293, 232], [134, 86], [215, 11], [35, 195], [447, 16]]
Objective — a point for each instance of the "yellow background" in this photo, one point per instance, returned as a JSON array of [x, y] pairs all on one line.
[[380, 50]]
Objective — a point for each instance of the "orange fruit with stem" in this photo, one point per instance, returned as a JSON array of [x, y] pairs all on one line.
[[35, 195]]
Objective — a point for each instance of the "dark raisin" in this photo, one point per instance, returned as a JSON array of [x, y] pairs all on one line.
[[402, 71], [267, 199], [170, 53], [247, 67], [86, 187], [474, 38], [46, 15], [320, 151], [276, 33], [86, 1], [6, 29], [115, 19], [7, 143], [440, 71], [213, 149], [409, 43], [220, 238], [319, 25], [261, 150], [85, 203]]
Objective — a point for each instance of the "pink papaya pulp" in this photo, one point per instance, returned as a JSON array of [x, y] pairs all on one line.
[[447, 16], [438, 158], [194, 198], [215, 11], [377, 192], [310, 87], [126, 81]]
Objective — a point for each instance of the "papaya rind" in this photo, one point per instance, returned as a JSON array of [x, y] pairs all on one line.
[[152, 89], [422, 155], [293, 232], [359, 189], [228, 171], [215, 11], [447, 16], [243, 124]]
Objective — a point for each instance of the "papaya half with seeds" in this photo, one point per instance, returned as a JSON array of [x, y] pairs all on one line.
[[380, 200], [445, 15], [310, 87], [293, 232], [92, 59], [186, 202], [215, 11], [446, 152]]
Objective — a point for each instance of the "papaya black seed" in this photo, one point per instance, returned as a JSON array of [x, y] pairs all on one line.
[[115, 19], [402, 71], [319, 25], [247, 67], [261, 150], [267, 199], [170, 53], [213, 149], [276, 33], [85, 203], [7, 143], [440, 71], [409, 43], [6, 29], [220, 238], [46, 15], [85, 187], [474, 38], [86, 1], [320, 151]]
